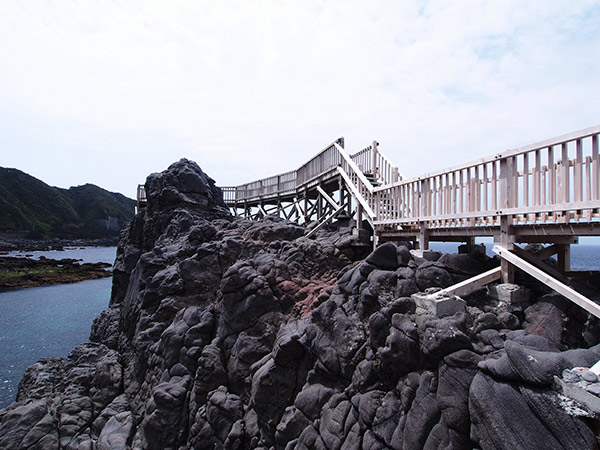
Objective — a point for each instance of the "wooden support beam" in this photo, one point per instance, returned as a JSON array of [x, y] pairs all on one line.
[[538, 262], [323, 222], [474, 283], [262, 210], [357, 194], [545, 239], [327, 197], [547, 252], [566, 291], [301, 217]]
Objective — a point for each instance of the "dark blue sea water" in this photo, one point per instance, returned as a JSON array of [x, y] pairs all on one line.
[[583, 257], [86, 254], [48, 321]]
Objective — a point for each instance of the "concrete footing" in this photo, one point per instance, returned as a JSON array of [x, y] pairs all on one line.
[[438, 304], [509, 293], [589, 402]]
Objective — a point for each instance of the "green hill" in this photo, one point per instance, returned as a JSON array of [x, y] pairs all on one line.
[[30, 206]]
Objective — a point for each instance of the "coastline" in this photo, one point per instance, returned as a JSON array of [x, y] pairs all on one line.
[[27, 245], [18, 272]]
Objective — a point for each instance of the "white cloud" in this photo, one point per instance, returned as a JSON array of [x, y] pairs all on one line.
[[253, 88]]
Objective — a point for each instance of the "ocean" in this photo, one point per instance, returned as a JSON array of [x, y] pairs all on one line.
[[583, 256], [50, 321]]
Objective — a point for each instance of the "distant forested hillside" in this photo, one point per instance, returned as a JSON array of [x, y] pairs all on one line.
[[31, 207]]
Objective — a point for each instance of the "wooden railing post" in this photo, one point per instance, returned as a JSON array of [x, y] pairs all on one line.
[[425, 194], [374, 155]]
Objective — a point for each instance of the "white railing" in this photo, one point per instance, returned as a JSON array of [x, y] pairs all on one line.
[[327, 160], [371, 161], [557, 180], [364, 160], [357, 182], [278, 184], [141, 194]]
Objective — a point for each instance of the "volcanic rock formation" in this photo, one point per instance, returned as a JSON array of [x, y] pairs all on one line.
[[226, 333]]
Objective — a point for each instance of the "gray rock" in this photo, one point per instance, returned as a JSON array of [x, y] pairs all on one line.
[[589, 376], [384, 257], [594, 388], [117, 433], [429, 275], [523, 415]]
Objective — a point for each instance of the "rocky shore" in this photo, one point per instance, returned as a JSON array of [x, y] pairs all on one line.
[[18, 272], [28, 245], [226, 333]]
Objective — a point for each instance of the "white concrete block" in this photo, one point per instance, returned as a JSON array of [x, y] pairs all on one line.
[[439, 305], [509, 293]]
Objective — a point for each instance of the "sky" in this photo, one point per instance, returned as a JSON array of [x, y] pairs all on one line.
[[107, 92]]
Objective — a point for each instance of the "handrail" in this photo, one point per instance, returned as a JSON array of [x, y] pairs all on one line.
[[370, 160], [581, 134], [391, 169], [355, 168], [364, 203], [557, 179], [325, 161], [141, 193]]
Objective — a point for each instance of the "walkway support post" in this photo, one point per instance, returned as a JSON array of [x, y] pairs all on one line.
[[564, 258], [359, 215], [507, 240], [423, 238]]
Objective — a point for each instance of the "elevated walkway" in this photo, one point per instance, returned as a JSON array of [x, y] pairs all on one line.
[[547, 192]]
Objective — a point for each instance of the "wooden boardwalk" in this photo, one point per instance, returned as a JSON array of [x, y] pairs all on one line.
[[547, 192]]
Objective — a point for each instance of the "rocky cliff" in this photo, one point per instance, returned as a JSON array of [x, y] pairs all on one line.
[[226, 333]]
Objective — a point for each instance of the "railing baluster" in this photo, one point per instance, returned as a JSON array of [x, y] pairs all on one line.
[[552, 180], [525, 179], [578, 175], [461, 195], [564, 184], [595, 168]]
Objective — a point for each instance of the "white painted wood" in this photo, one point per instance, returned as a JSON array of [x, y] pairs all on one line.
[[596, 168], [581, 134], [578, 173], [327, 197], [356, 193], [324, 221], [566, 291], [355, 169], [472, 284], [460, 197], [299, 210]]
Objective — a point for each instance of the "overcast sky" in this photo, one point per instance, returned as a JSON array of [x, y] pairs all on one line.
[[107, 92]]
